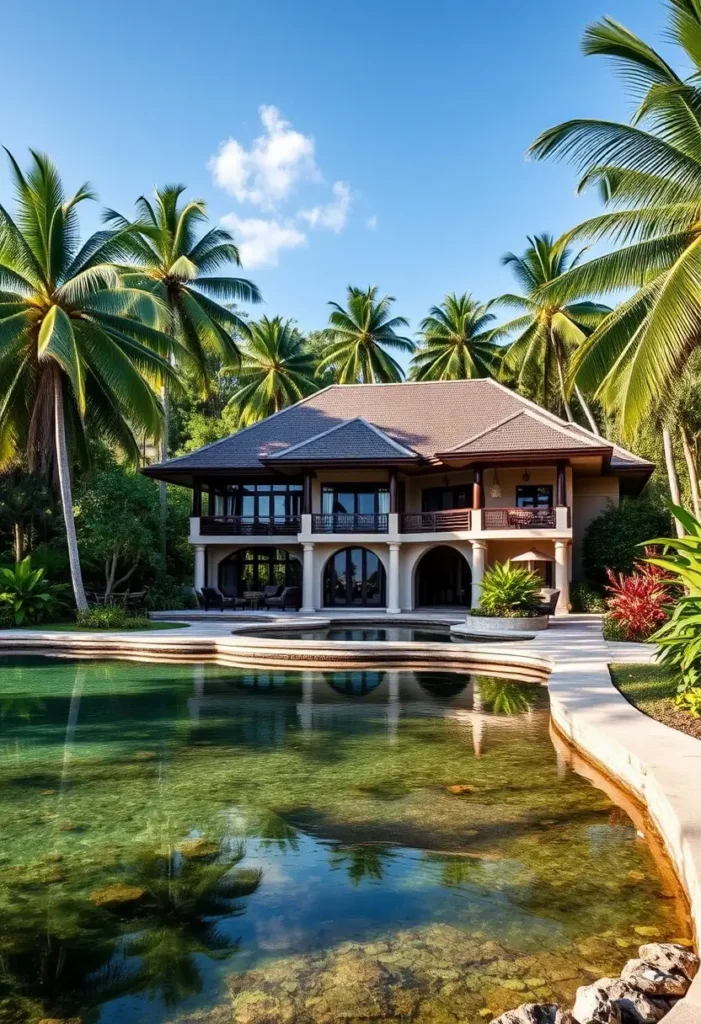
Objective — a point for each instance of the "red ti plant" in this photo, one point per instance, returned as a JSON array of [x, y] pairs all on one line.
[[638, 601]]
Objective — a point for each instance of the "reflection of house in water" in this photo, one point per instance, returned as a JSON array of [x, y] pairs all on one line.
[[261, 707]]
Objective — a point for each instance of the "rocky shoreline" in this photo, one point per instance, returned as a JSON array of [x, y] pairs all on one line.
[[647, 989]]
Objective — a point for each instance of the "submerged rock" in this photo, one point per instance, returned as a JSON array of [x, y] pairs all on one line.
[[195, 849], [535, 1013], [671, 958], [653, 981], [117, 895], [593, 1005], [461, 790]]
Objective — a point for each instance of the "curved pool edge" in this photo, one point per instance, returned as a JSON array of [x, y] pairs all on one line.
[[657, 764]]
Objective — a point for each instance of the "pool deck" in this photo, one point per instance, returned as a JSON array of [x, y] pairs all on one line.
[[660, 766]]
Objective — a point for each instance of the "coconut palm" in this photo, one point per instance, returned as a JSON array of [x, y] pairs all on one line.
[[547, 332], [76, 357], [358, 335], [276, 370], [649, 174], [456, 342], [179, 268]]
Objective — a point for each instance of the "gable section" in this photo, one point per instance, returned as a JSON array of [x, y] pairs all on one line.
[[525, 431], [353, 440]]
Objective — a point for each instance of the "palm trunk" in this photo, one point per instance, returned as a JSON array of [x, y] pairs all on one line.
[[587, 412], [672, 474], [162, 493], [561, 377], [64, 479], [693, 473], [19, 543]]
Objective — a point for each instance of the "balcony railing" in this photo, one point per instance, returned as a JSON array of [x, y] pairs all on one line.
[[342, 522], [518, 519], [250, 526], [435, 522]]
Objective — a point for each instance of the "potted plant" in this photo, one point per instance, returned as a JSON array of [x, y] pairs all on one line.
[[509, 598]]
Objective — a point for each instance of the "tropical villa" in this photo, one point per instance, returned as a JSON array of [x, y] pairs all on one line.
[[398, 496]]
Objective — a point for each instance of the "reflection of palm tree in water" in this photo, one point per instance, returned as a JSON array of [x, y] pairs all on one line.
[[361, 861], [185, 899], [505, 697], [272, 830]]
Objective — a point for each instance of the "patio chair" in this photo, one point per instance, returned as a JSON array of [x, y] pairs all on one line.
[[214, 597], [288, 598], [272, 590], [548, 605]]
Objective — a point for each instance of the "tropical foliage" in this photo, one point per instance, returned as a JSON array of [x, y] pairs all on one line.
[[638, 601], [680, 637], [547, 333], [76, 354], [276, 371], [30, 597], [649, 176], [358, 336], [508, 590], [456, 342]]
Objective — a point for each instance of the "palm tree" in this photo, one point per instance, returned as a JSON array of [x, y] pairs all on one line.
[[649, 174], [547, 332], [76, 356], [357, 338], [456, 342], [276, 370], [178, 267]]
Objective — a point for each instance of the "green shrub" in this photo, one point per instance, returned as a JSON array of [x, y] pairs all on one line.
[[613, 540], [30, 597], [614, 629], [509, 590], [169, 595], [111, 617], [584, 598]]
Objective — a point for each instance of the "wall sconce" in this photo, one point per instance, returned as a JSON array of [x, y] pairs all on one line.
[[495, 489], [526, 476]]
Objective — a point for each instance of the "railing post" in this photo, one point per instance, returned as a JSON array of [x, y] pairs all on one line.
[[562, 517], [306, 523], [476, 520]]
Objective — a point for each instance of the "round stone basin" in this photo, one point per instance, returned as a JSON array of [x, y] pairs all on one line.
[[428, 633]]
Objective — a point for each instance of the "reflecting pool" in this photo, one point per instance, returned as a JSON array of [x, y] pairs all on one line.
[[199, 843]]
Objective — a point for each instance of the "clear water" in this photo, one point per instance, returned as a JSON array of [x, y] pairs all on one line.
[[195, 843], [368, 634]]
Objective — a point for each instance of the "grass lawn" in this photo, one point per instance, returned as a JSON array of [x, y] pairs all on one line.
[[652, 689], [71, 627]]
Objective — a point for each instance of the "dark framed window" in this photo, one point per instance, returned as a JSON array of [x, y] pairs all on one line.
[[259, 500], [354, 576], [534, 496], [354, 499], [441, 499], [255, 568]]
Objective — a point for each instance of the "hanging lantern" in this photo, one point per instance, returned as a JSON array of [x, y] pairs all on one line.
[[495, 489], [526, 476]]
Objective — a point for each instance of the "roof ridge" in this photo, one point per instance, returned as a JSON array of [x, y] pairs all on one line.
[[339, 426], [546, 414], [487, 430]]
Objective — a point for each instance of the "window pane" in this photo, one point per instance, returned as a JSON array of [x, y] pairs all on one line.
[[366, 504], [279, 504], [383, 501], [264, 505], [344, 502]]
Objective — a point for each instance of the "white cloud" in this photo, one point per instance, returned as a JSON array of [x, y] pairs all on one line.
[[266, 173], [333, 215], [371, 223], [260, 240]]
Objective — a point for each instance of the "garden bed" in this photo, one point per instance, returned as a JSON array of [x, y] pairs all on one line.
[[73, 627], [651, 689]]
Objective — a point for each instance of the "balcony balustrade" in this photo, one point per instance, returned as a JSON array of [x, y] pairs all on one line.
[[519, 519], [250, 526], [343, 522], [434, 522]]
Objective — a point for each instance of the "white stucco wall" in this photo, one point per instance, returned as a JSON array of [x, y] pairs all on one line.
[[591, 496]]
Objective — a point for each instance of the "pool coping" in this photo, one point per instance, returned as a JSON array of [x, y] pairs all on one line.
[[657, 764]]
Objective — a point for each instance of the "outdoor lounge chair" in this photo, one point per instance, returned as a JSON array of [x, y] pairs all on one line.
[[212, 596], [288, 598], [548, 605]]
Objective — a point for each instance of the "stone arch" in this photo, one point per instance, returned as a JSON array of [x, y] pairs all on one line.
[[451, 584], [265, 567]]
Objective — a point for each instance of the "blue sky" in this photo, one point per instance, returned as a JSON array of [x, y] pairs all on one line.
[[393, 146]]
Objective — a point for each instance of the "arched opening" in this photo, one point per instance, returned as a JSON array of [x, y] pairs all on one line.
[[354, 577], [254, 568], [443, 577]]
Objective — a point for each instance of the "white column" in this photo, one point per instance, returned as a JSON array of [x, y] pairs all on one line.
[[308, 580], [200, 555], [393, 580], [562, 576], [479, 564]]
